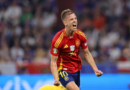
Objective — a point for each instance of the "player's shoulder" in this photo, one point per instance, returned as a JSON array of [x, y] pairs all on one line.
[[59, 35], [80, 33], [58, 38]]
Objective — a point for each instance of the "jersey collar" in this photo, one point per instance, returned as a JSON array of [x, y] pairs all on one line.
[[68, 36]]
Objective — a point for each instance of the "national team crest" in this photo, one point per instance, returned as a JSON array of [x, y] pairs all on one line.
[[72, 47], [77, 42]]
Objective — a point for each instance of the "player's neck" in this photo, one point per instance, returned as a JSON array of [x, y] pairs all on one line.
[[69, 32]]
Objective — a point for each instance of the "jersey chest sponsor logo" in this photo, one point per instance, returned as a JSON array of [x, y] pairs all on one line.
[[72, 47]]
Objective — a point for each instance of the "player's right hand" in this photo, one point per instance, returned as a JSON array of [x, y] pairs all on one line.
[[56, 83]]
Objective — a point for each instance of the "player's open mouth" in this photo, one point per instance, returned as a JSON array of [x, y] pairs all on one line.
[[74, 25]]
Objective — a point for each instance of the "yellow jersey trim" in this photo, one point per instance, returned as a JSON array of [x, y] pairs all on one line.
[[80, 33], [61, 64], [57, 43], [60, 68]]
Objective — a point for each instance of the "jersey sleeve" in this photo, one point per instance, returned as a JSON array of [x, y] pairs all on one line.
[[54, 50], [84, 44]]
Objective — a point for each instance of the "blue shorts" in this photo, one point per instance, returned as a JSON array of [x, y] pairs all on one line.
[[66, 77]]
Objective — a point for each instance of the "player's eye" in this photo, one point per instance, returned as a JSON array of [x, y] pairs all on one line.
[[71, 19]]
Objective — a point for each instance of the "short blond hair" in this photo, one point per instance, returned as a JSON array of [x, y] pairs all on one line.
[[65, 12]]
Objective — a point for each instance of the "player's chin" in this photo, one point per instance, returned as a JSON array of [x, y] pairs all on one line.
[[74, 29]]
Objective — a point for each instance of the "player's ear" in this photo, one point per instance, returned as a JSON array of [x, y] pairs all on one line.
[[64, 22]]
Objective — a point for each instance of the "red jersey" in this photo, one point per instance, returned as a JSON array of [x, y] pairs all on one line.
[[67, 49]]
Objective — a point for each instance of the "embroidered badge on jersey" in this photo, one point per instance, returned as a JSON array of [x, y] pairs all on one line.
[[55, 50], [72, 47], [77, 42], [85, 44]]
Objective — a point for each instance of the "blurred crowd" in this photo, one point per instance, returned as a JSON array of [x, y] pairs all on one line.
[[27, 28]]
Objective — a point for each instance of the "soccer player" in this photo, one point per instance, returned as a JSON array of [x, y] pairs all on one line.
[[65, 53]]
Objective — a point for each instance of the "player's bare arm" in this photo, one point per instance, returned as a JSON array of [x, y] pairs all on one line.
[[54, 69], [91, 62]]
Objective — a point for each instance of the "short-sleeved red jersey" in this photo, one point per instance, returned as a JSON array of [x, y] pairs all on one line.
[[67, 49]]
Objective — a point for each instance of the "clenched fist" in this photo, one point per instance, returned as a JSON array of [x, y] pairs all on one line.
[[98, 73]]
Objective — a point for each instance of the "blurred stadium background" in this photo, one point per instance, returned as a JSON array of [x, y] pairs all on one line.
[[27, 28]]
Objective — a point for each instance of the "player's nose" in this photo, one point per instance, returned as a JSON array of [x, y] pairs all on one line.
[[74, 21]]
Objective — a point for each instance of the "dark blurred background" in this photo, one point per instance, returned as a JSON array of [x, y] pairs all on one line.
[[27, 28]]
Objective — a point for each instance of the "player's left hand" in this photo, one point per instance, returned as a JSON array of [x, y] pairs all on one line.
[[98, 73]]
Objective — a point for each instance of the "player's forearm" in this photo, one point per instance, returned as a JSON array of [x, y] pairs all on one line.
[[91, 61], [54, 69]]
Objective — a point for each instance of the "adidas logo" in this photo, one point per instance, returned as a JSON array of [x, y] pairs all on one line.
[[66, 46]]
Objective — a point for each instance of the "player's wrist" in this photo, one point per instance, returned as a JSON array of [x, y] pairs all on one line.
[[56, 79], [95, 69]]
